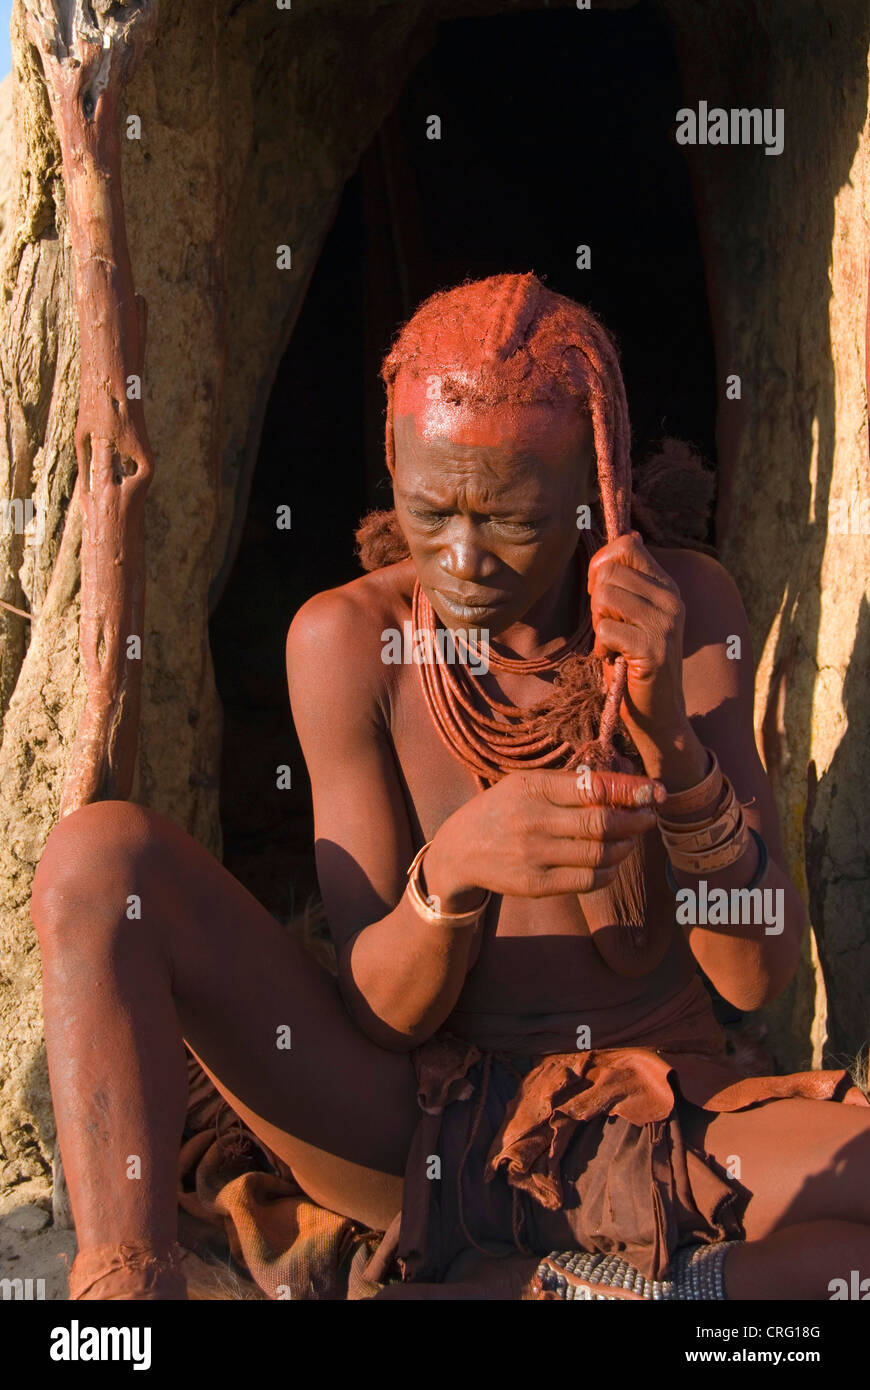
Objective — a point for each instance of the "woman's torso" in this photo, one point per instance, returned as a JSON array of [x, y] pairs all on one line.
[[533, 957]]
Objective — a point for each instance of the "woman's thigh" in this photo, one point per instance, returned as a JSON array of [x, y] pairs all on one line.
[[797, 1160], [267, 1023]]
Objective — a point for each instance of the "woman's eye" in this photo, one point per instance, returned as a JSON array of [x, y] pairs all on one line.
[[518, 526], [433, 519]]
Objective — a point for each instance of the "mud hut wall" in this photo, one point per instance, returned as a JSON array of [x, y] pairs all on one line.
[[786, 248], [248, 132]]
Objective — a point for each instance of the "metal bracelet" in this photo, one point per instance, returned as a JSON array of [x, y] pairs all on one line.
[[423, 905]]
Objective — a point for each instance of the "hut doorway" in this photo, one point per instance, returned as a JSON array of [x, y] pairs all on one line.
[[556, 132]]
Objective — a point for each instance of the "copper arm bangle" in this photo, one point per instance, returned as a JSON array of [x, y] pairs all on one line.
[[757, 877], [718, 835], [711, 844], [423, 906], [703, 796]]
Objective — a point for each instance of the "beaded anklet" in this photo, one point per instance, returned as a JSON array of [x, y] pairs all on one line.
[[697, 1275]]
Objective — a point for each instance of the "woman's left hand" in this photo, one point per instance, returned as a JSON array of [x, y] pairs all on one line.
[[638, 613]]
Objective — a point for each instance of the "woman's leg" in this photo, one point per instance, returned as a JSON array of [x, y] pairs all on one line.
[[146, 940], [804, 1166]]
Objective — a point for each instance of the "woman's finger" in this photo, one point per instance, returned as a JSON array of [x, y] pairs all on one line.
[[629, 580], [584, 786], [595, 823], [629, 551], [624, 639], [582, 854]]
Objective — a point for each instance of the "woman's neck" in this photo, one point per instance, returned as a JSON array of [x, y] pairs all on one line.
[[551, 620]]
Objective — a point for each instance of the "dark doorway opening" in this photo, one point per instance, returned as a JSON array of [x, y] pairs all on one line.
[[556, 132]]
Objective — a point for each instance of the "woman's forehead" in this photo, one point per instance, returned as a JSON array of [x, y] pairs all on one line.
[[420, 417]]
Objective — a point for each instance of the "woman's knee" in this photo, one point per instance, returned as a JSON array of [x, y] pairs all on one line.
[[89, 864], [800, 1160]]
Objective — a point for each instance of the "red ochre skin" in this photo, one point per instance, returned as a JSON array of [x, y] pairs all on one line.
[[208, 963]]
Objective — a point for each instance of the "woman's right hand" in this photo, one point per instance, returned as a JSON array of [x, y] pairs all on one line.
[[539, 834]]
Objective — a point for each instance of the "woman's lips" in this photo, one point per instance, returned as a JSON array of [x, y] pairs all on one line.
[[465, 608]]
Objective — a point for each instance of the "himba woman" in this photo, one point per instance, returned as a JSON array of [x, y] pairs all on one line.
[[518, 1069]]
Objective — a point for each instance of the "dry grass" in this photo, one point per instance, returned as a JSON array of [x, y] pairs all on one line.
[[860, 1071], [214, 1280]]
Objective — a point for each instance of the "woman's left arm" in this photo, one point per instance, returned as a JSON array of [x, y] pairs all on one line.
[[677, 617]]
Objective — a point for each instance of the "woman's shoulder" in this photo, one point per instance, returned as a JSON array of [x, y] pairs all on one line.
[[715, 631], [342, 630], [361, 606], [708, 591]]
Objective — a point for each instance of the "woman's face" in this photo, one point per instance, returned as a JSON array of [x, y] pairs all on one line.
[[488, 499]]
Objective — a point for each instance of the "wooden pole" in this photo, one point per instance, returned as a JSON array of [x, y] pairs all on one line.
[[89, 49]]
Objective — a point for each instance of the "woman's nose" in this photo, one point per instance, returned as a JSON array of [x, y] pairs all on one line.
[[465, 558]]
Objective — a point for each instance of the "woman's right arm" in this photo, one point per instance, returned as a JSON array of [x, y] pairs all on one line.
[[399, 976], [532, 835]]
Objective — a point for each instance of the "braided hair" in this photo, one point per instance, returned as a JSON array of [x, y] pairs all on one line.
[[509, 338]]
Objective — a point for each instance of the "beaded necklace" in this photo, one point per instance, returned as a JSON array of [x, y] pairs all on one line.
[[489, 747]]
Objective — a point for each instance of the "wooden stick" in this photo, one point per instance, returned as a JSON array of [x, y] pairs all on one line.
[[89, 48], [10, 608]]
